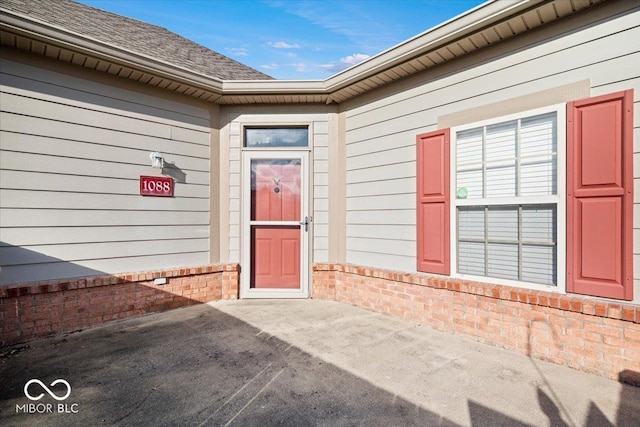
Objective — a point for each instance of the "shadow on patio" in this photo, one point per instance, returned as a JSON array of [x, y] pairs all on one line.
[[203, 366]]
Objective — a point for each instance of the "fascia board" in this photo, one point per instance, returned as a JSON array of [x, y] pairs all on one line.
[[458, 27], [233, 87], [46, 33]]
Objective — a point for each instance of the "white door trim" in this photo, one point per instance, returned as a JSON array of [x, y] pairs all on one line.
[[305, 235]]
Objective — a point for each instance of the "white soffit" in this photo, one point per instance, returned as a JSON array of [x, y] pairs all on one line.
[[487, 24]]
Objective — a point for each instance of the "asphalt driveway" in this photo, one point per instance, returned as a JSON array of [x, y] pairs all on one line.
[[293, 363]]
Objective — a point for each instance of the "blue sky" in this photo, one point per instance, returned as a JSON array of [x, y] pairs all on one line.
[[293, 39]]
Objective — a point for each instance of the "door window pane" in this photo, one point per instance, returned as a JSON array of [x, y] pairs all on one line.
[[275, 189]]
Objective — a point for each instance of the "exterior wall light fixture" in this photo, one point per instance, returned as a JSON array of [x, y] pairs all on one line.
[[157, 160]]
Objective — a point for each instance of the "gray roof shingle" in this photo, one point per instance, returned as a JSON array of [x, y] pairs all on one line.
[[134, 35]]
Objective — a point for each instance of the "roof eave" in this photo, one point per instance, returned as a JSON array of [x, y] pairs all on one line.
[[34, 29], [455, 28], [449, 40]]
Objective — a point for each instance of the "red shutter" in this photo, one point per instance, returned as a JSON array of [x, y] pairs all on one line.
[[432, 169], [600, 196]]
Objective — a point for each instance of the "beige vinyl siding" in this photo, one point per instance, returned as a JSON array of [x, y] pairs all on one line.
[[319, 134], [381, 127], [71, 153], [320, 193]]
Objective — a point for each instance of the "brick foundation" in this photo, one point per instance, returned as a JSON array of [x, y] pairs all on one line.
[[42, 309], [587, 334]]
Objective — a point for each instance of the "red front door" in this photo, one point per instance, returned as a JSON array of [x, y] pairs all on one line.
[[276, 213]]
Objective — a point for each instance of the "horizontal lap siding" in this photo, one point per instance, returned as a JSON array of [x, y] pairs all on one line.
[[381, 134], [321, 190], [71, 153]]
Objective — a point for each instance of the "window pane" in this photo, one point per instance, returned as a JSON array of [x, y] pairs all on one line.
[[503, 261], [538, 264], [471, 258], [276, 137], [501, 181], [469, 185], [501, 142], [503, 224], [538, 177], [538, 146], [539, 224], [501, 164], [469, 147], [538, 135], [471, 223]]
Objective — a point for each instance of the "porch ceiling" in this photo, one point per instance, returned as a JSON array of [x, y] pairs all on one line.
[[489, 23]]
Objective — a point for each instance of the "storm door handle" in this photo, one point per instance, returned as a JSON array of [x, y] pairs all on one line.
[[306, 222]]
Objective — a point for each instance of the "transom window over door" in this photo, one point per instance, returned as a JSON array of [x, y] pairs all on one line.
[[280, 137], [505, 189]]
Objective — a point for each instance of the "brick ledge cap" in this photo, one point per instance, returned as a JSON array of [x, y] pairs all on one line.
[[57, 285], [620, 310]]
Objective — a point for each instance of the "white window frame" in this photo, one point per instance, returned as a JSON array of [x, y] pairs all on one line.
[[559, 199], [276, 125]]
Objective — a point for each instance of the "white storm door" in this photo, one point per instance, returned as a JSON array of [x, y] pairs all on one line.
[[276, 225]]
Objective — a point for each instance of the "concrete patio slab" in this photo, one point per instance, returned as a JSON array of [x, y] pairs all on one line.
[[293, 363]]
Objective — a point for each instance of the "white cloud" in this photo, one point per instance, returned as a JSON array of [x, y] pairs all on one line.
[[271, 66], [283, 45], [238, 51], [300, 67], [345, 62], [354, 59]]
